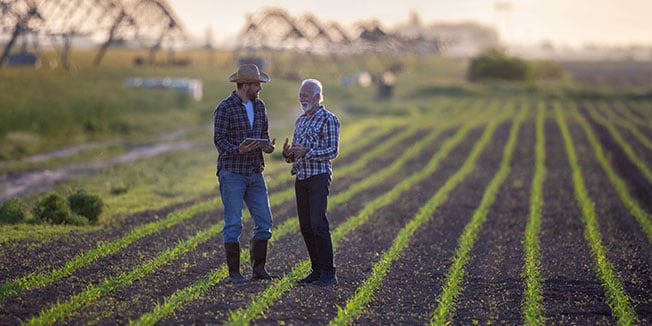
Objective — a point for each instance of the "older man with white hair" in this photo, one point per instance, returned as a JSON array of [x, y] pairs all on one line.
[[314, 144]]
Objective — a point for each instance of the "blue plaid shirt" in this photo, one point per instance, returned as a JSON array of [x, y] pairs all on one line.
[[231, 127], [320, 134]]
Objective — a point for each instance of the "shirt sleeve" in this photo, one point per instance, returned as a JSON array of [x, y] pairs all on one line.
[[221, 124]]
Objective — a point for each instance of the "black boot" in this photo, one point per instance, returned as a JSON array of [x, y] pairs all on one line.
[[233, 262], [258, 253]]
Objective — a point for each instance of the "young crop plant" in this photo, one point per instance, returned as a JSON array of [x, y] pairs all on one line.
[[364, 294], [65, 309], [533, 297], [619, 184], [446, 301], [245, 315], [626, 123], [35, 280], [617, 298], [626, 147]]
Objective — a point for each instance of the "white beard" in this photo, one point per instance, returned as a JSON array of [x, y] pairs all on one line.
[[306, 107]]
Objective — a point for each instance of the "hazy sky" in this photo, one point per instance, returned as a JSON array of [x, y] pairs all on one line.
[[563, 22]]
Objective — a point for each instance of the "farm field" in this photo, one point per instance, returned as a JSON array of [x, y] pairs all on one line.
[[469, 209]]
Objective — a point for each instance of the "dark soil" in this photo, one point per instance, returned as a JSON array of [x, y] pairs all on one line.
[[572, 293], [622, 235], [492, 288]]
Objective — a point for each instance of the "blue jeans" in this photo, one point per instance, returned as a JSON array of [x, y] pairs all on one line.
[[252, 190]]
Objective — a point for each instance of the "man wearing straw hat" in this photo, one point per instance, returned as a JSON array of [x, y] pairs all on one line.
[[238, 118]]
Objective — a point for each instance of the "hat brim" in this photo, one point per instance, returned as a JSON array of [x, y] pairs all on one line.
[[263, 78]]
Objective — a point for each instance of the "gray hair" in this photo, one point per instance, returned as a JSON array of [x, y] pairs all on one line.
[[317, 87]]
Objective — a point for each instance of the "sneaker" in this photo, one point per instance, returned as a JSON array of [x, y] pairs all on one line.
[[237, 278], [313, 277], [325, 281]]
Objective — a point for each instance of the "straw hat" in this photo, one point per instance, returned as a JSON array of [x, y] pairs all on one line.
[[248, 73]]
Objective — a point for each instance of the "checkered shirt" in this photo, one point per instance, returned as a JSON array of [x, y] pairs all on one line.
[[231, 127], [319, 133]]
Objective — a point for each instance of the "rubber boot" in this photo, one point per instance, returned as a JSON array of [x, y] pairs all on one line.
[[258, 253], [233, 262]]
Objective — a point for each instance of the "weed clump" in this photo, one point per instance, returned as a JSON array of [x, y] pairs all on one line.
[[54, 209], [79, 208], [13, 211], [495, 64], [86, 205]]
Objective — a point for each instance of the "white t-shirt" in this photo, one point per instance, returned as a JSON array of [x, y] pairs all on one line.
[[249, 106]]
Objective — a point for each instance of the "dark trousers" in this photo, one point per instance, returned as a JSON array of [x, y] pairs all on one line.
[[312, 200]]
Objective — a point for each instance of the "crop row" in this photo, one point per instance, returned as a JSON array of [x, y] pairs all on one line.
[[36, 280], [458, 125]]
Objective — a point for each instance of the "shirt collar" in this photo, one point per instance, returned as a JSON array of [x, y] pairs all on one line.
[[316, 112], [236, 98]]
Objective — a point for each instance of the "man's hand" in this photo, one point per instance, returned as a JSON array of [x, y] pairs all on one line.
[[247, 146], [287, 150], [299, 150], [270, 146]]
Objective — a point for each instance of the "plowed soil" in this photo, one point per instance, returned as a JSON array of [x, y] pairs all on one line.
[[492, 288]]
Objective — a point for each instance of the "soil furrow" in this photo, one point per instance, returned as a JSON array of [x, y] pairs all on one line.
[[30, 302], [407, 294], [641, 189], [639, 112], [40, 257], [169, 278], [84, 242], [229, 297], [627, 246], [572, 292], [493, 289], [614, 109], [360, 251]]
